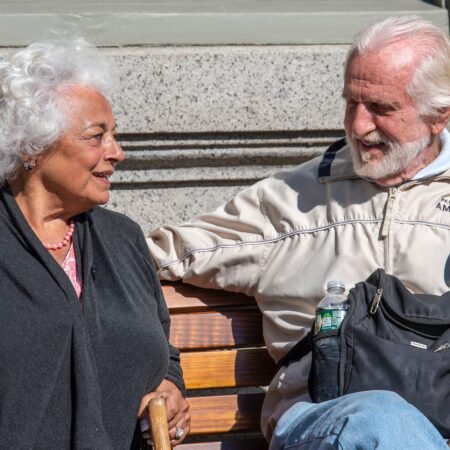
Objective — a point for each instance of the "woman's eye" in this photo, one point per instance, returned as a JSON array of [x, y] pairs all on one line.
[[97, 137]]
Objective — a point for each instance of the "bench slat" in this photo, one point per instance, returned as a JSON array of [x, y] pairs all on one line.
[[232, 444], [216, 329], [221, 414], [181, 297], [220, 338], [223, 369]]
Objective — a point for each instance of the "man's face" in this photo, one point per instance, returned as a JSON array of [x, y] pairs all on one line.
[[383, 127]]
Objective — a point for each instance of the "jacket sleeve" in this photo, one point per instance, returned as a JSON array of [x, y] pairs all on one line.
[[224, 249], [174, 372]]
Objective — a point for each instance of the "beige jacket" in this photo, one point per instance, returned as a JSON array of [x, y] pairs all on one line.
[[283, 238]]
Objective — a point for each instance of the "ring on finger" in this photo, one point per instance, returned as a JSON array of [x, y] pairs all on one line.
[[178, 432]]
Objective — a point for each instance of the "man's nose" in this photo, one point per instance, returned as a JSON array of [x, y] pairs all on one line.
[[361, 121]]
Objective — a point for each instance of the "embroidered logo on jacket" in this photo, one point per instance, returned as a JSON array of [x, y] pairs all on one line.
[[444, 204]]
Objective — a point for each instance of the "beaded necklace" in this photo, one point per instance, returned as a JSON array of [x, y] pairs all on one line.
[[66, 239]]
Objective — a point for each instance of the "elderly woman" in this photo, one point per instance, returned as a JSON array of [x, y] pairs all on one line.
[[83, 324]]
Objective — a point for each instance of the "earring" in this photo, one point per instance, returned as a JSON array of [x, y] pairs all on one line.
[[29, 164]]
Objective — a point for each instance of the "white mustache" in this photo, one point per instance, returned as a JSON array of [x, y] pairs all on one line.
[[373, 138]]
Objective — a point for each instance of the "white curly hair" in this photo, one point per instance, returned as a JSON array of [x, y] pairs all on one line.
[[430, 85], [31, 118]]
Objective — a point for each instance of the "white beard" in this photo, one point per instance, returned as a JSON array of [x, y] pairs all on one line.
[[395, 159]]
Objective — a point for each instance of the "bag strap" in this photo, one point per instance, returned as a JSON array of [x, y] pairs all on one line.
[[298, 351]]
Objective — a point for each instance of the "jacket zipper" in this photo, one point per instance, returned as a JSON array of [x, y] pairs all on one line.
[[387, 220], [387, 226]]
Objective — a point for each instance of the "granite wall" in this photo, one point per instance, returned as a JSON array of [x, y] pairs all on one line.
[[199, 123]]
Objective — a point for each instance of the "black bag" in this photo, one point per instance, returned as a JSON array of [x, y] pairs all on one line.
[[391, 340]]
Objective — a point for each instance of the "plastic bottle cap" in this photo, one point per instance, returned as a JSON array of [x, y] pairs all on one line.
[[333, 284]]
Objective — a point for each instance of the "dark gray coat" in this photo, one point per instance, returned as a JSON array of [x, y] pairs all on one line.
[[72, 373]]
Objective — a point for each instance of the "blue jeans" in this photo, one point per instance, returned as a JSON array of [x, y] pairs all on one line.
[[364, 420]]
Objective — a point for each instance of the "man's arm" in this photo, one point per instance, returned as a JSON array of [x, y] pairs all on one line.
[[224, 249]]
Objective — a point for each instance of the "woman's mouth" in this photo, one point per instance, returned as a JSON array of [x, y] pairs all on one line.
[[103, 176]]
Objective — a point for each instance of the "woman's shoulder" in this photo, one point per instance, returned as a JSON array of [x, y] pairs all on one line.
[[112, 220]]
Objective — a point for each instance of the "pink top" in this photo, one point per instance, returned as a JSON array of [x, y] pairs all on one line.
[[70, 267]]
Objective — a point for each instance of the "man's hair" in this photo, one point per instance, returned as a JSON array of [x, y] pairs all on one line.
[[430, 85], [31, 117]]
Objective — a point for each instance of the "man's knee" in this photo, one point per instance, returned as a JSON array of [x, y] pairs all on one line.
[[375, 407], [333, 421]]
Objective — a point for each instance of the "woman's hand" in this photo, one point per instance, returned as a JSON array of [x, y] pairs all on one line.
[[177, 410]]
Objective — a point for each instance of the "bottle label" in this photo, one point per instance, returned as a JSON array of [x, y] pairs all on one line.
[[329, 319]]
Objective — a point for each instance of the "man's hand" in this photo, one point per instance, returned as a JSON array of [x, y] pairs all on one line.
[[177, 410]]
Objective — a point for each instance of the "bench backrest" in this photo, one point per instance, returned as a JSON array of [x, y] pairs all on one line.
[[225, 363]]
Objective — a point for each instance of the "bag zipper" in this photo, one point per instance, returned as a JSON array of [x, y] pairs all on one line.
[[442, 347], [375, 303]]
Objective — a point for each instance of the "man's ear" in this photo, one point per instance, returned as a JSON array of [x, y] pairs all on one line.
[[440, 121]]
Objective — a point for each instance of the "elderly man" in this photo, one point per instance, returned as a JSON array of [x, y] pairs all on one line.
[[378, 199]]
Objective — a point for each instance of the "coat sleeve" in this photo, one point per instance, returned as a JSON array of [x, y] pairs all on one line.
[[224, 249], [174, 372]]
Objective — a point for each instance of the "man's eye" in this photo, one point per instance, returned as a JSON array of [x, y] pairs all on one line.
[[380, 108]]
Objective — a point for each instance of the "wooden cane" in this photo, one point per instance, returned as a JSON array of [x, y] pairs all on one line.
[[158, 419]]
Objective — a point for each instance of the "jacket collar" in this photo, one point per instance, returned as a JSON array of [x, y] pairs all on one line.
[[336, 163]]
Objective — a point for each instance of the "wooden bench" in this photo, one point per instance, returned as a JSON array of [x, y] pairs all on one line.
[[225, 363]]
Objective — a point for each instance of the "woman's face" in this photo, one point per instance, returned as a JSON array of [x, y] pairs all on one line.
[[76, 169]]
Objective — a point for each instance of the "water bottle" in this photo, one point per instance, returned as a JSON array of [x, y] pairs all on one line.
[[330, 313], [332, 309]]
